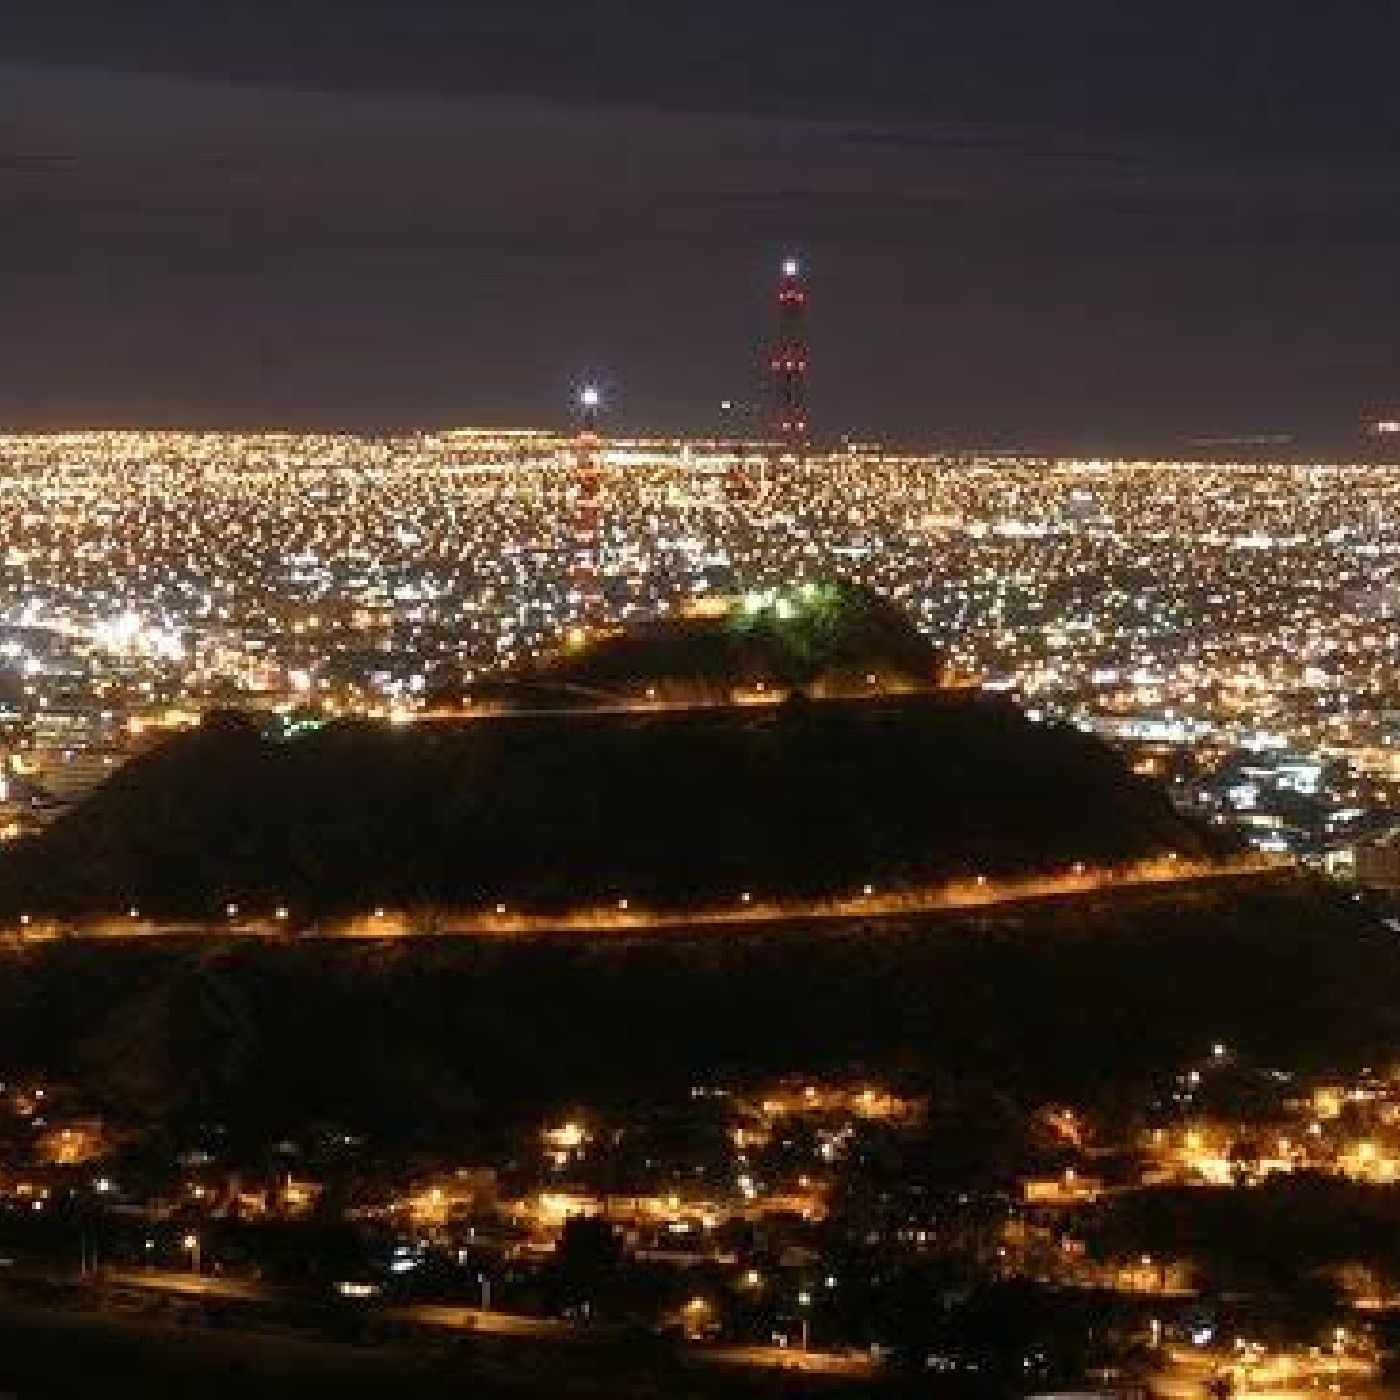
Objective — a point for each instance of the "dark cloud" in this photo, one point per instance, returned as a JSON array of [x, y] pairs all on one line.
[[1292, 73]]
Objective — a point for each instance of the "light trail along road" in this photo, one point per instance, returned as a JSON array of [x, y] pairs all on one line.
[[625, 918]]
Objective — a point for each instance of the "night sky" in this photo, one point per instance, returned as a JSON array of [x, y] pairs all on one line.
[[1093, 225]]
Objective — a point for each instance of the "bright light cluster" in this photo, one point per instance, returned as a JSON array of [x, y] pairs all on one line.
[[1224, 605]]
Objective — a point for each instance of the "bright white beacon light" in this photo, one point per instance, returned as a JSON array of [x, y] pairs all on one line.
[[791, 267], [589, 396]]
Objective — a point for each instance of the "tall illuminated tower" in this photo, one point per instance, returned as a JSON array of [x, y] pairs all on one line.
[[787, 361], [586, 490]]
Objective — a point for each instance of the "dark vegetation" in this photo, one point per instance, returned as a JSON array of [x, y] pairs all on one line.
[[1280, 1236]]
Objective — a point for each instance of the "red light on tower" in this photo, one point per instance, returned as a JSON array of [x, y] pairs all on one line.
[[787, 361], [586, 490]]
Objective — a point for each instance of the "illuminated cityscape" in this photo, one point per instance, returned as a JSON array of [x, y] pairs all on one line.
[[1227, 627], [776, 1226], [1232, 625], [700, 702]]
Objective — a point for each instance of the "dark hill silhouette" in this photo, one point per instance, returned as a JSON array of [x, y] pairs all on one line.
[[673, 808], [1052, 1000]]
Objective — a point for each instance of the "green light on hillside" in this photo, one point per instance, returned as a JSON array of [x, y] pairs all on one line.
[[294, 726], [805, 599]]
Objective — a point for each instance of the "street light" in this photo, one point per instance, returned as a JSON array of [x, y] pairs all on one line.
[[191, 1243], [696, 1314]]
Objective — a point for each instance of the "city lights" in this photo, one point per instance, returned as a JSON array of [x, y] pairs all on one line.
[[1239, 613]]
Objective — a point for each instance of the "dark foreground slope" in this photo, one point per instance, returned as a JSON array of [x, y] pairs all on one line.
[[427, 1038], [549, 810], [46, 1350]]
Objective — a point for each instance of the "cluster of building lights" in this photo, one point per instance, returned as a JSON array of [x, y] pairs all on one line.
[[1218, 607]]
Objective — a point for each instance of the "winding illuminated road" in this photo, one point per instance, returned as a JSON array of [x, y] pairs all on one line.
[[625, 918]]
